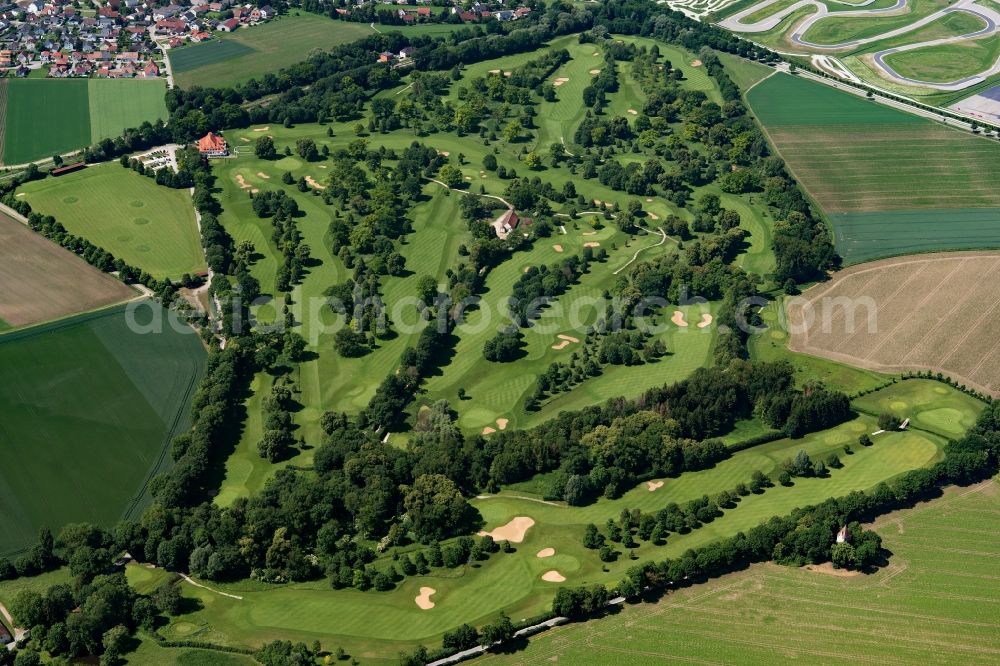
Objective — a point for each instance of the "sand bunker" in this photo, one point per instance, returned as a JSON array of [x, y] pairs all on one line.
[[592, 244], [654, 485], [314, 183], [595, 71], [261, 174], [678, 318], [560, 345], [589, 233], [444, 153], [242, 182], [654, 216], [513, 531], [561, 80], [502, 423], [706, 319], [546, 552], [553, 577], [557, 247], [261, 129], [254, 191], [494, 71], [567, 338], [696, 63], [243, 138], [507, 73], [488, 430], [633, 112], [424, 598]]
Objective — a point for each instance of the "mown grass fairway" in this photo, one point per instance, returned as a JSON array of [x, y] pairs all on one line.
[[867, 166], [932, 604], [253, 51], [45, 117], [87, 408], [149, 226], [41, 281], [512, 581]]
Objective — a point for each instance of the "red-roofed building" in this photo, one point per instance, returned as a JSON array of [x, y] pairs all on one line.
[[213, 145]]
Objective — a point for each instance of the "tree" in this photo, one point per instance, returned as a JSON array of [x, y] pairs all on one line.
[[306, 149], [843, 556], [887, 421], [114, 641], [451, 176], [28, 608], [437, 509], [167, 598], [504, 346], [499, 631], [865, 440], [264, 148], [532, 160], [490, 162]]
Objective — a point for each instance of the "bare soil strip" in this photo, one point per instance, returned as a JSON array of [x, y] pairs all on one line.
[[40, 281]]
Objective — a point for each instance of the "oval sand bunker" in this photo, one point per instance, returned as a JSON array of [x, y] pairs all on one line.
[[546, 552], [553, 577], [513, 531]]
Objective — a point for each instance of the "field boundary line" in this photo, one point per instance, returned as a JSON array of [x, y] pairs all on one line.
[[3, 116], [747, 91]]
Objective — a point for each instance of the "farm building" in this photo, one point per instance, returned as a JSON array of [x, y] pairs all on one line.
[[212, 145], [507, 222]]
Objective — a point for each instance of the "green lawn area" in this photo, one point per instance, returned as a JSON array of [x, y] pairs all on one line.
[[149, 226], [946, 62], [839, 29], [87, 408], [254, 51], [45, 117], [927, 606], [117, 104], [48, 116], [744, 73], [930, 405]]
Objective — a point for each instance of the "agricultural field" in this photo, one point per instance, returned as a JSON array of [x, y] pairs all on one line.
[[928, 49], [930, 312], [74, 113], [513, 581], [40, 281], [149, 226], [88, 408], [866, 166], [233, 58], [929, 605]]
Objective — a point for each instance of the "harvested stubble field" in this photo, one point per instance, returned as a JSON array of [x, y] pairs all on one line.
[[40, 281], [932, 312], [890, 182], [934, 603]]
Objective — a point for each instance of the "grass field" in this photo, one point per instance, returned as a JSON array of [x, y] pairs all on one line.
[[149, 226], [929, 312], [839, 29], [932, 604], [866, 165], [308, 611], [40, 281], [46, 116], [946, 62], [744, 73], [87, 408], [233, 58]]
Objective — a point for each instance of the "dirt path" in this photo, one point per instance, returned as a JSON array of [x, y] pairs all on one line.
[[642, 249], [206, 587]]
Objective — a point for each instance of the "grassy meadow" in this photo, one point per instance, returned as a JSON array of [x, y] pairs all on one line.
[[88, 408], [149, 226]]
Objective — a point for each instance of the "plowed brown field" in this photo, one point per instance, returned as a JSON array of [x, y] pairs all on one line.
[[40, 281], [937, 312]]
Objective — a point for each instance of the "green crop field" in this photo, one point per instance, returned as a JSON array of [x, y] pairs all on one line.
[[149, 226], [117, 104], [931, 604], [866, 165], [512, 581], [46, 116], [254, 51], [87, 407]]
